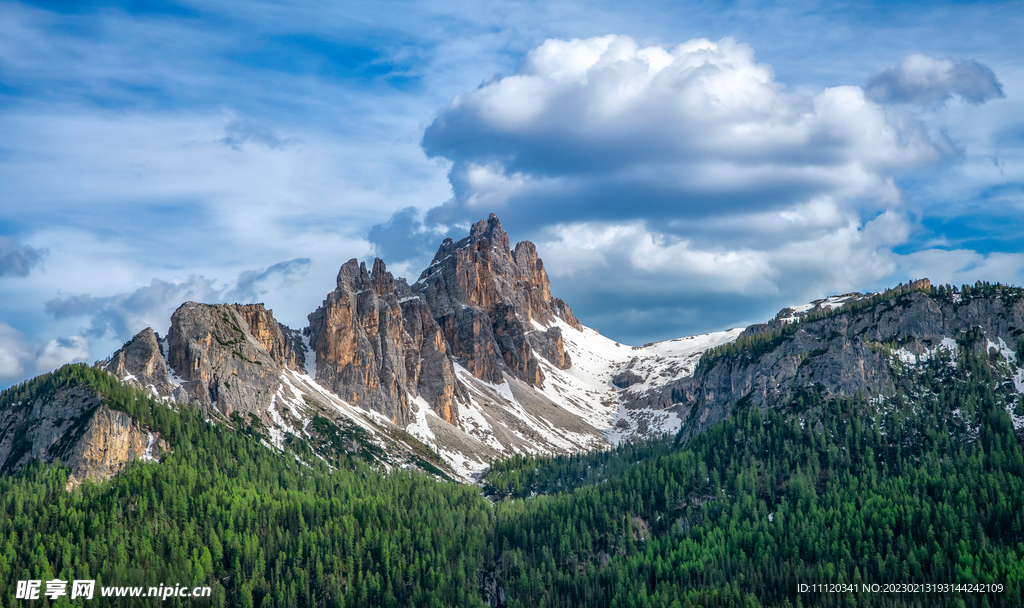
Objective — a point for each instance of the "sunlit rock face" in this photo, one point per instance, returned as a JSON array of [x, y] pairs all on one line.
[[486, 297], [72, 426], [221, 363], [358, 336], [141, 362]]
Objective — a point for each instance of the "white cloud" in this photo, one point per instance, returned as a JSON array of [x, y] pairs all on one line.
[[59, 351], [660, 178], [122, 315], [20, 359], [680, 129], [963, 266], [15, 355], [841, 254]]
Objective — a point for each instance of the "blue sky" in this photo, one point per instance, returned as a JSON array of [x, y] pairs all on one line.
[[682, 167]]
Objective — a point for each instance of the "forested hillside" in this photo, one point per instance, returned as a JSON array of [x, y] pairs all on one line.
[[262, 528], [925, 486]]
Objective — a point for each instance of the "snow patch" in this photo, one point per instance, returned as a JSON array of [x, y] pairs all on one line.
[[309, 357], [148, 454], [906, 356], [276, 435], [1001, 347], [586, 389], [909, 358], [640, 423], [1018, 421], [420, 429], [505, 390], [466, 467], [536, 433], [829, 303]]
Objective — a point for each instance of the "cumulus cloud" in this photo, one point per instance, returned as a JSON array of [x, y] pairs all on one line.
[[648, 285], [655, 180], [639, 258], [19, 358], [964, 266], [924, 80], [17, 260], [603, 129]]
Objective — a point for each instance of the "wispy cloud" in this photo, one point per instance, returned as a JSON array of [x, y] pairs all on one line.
[[238, 132], [252, 284], [122, 315], [18, 259], [924, 80], [172, 140]]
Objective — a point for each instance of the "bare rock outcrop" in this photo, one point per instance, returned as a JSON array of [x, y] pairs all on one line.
[[223, 365], [429, 369], [842, 353], [141, 362], [72, 425], [486, 298], [284, 345], [377, 344], [111, 440], [358, 336]]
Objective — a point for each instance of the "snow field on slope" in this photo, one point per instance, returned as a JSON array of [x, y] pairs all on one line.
[[556, 438], [585, 389]]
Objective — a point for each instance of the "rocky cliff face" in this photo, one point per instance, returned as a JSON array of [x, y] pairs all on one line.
[[111, 440], [477, 359], [379, 342], [72, 426], [487, 298], [428, 364], [141, 362], [846, 351], [222, 365], [284, 345], [358, 336], [245, 369]]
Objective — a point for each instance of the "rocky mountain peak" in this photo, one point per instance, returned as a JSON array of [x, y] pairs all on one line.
[[227, 355], [354, 277], [383, 281], [141, 361], [482, 270], [490, 230], [486, 298]]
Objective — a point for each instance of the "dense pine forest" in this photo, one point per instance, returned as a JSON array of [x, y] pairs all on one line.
[[924, 486]]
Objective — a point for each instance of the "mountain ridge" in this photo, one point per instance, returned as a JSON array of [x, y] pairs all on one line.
[[477, 360]]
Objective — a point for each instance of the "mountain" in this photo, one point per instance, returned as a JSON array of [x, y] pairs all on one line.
[[853, 344], [473, 361], [908, 499], [859, 439], [476, 360]]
